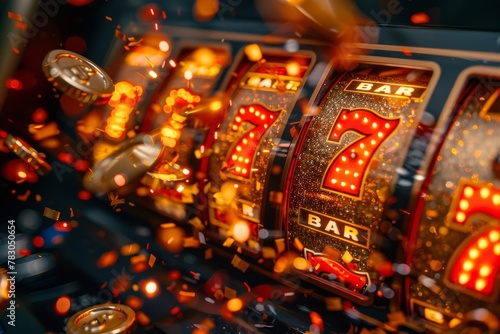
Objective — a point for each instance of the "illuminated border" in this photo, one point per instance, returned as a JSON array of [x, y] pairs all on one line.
[[485, 110]]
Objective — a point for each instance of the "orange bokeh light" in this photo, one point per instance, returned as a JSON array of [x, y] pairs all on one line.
[[63, 305]]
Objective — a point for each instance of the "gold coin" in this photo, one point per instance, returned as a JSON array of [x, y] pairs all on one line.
[[77, 77], [104, 318]]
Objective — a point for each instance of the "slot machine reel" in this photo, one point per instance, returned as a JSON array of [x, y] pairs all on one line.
[[340, 200], [239, 170]]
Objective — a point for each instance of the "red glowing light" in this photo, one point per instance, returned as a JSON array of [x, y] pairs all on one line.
[[62, 226], [81, 165], [76, 44], [63, 305], [14, 84], [347, 171], [317, 320], [84, 195], [38, 241], [420, 18], [241, 156], [39, 116], [66, 158], [24, 252], [79, 3], [175, 275], [353, 280], [476, 264]]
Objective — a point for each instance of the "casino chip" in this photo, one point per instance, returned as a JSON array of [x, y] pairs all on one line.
[[77, 77], [104, 318]]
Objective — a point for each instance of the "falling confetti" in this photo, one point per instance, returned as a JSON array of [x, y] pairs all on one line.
[[51, 213]]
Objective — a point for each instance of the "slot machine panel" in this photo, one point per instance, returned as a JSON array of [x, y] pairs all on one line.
[[262, 99], [343, 175], [455, 232]]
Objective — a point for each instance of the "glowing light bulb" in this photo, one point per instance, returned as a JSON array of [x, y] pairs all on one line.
[[151, 287], [188, 75]]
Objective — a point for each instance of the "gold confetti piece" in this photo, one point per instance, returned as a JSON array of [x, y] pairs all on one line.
[[142, 318], [107, 259], [50, 213], [196, 222], [293, 132], [268, 253], [152, 260], [24, 197], [229, 293], [134, 302], [120, 35], [130, 249], [333, 304], [167, 225], [298, 245], [21, 25], [38, 198], [115, 200], [280, 245], [228, 242], [191, 242], [239, 263], [219, 295], [109, 18], [276, 197], [43, 131], [187, 293], [15, 16], [131, 204], [347, 257], [208, 253], [138, 259]]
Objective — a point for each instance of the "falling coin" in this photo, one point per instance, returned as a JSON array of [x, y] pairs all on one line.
[[77, 77], [104, 318], [125, 165], [27, 153]]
